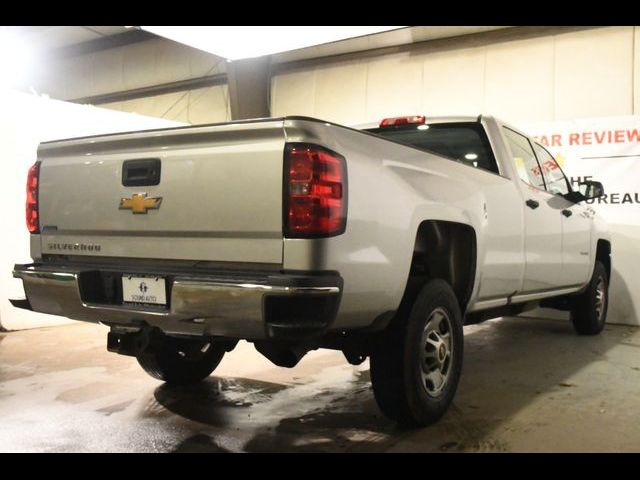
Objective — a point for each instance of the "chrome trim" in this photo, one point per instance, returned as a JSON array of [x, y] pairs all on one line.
[[522, 298], [527, 297], [197, 306]]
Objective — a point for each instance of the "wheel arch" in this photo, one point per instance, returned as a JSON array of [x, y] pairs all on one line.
[[603, 254], [446, 250]]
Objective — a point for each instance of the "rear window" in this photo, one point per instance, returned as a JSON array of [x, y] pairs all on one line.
[[465, 142]]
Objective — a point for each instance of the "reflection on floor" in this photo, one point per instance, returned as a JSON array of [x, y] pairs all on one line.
[[528, 385]]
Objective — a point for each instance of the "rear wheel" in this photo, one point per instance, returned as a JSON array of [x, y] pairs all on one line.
[[416, 364], [180, 361], [589, 313]]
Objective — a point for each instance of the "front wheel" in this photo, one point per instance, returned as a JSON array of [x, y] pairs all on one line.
[[180, 361], [417, 362], [589, 313]]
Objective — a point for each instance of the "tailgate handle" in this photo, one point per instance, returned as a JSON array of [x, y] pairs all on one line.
[[141, 172]]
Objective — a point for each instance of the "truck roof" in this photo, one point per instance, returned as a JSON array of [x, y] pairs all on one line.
[[436, 119]]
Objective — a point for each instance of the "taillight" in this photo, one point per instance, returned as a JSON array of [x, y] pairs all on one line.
[[33, 223], [315, 192], [413, 119]]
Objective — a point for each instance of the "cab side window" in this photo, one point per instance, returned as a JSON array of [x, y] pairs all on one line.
[[524, 159], [554, 178]]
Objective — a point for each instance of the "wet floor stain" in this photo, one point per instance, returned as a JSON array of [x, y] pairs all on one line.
[[216, 401], [92, 400], [200, 443], [445, 447], [118, 407], [333, 410], [89, 391]]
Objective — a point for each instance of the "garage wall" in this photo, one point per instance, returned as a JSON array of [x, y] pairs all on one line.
[[587, 73], [139, 65], [204, 105]]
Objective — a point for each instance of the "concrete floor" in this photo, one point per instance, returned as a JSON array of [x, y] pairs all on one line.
[[528, 385]]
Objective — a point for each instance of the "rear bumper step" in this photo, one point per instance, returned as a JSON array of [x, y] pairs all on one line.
[[248, 306]]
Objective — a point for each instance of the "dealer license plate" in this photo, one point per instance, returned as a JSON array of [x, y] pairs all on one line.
[[144, 290]]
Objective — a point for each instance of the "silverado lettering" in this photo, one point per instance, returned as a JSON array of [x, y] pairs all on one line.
[[73, 246]]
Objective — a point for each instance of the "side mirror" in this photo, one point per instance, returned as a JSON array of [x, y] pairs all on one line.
[[590, 189], [587, 190]]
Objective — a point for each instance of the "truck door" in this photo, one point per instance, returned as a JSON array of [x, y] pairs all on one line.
[[575, 220], [542, 219]]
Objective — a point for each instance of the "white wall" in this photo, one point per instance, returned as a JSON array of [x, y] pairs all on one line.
[[617, 165], [139, 65], [588, 73], [25, 121], [127, 67], [204, 105]]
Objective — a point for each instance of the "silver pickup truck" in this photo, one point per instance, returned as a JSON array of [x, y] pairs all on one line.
[[296, 234]]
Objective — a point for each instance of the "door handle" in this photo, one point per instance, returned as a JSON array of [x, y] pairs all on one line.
[[567, 213], [141, 173], [533, 204]]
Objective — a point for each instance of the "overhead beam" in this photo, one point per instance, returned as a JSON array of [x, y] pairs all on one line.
[[154, 90], [249, 86]]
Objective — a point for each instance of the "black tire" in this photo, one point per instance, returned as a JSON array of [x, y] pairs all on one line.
[[179, 361], [589, 313], [397, 359]]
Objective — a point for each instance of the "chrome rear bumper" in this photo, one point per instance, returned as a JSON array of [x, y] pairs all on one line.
[[250, 307]]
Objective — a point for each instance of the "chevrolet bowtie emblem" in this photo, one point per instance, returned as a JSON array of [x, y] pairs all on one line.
[[139, 203]]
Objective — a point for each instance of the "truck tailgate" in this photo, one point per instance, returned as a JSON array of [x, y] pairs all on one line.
[[218, 198]]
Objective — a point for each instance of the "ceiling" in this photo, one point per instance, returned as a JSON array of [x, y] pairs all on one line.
[[49, 38], [74, 40], [401, 36]]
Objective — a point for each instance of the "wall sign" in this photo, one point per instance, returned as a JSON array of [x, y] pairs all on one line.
[[608, 150]]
